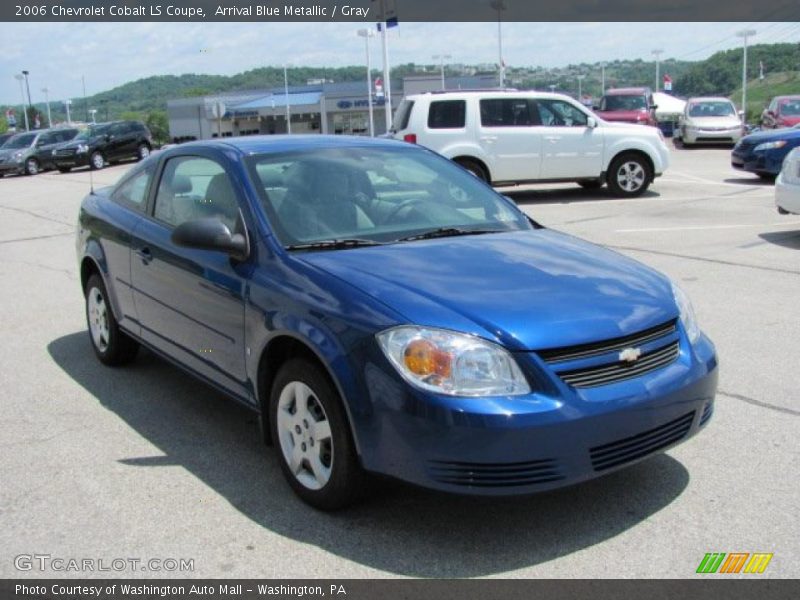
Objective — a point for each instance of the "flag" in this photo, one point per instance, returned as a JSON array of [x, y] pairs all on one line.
[[667, 83]]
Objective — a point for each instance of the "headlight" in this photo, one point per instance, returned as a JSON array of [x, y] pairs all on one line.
[[770, 145], [688, 317], [451, 363], [18, 156], [83, 148]]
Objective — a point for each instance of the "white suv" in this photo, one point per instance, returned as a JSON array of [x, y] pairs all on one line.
[[507, 137]]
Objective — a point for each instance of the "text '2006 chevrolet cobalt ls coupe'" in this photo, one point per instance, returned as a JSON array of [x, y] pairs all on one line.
[[385, 311]]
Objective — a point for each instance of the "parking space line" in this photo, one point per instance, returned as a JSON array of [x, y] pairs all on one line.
[[707, 227]]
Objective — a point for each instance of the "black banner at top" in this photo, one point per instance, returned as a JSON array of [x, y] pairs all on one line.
[[397, 10]]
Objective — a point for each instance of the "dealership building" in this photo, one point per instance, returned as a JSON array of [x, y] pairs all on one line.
[[323, 108]]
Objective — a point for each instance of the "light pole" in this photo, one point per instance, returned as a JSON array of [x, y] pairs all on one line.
[[28, 87], [580, 89], [500, 6], [602, 78], [657, 53], [19, 77], [744, 33], [286, 98], [366, 34], [93, 112], [67, 102], [552, 87], [441, 58], [47, 101]]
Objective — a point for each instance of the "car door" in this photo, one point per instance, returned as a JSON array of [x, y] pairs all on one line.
[[508, 135], [570, 148], [114, 147], [191, 302]]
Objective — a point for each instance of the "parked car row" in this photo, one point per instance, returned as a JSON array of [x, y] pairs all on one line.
[[65, 148]]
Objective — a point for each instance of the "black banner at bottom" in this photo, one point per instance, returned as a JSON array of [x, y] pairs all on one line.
[[437, 589]]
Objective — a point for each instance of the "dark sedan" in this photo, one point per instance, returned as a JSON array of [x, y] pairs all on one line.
[[384, 311], [762, 153]]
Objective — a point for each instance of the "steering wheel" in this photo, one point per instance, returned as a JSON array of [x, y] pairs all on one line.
[[403, 205]]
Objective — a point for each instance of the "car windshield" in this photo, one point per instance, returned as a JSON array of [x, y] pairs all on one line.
[[360, 195], [623, 102], [20, 141], [92, 131], [790, 108], [711, 109]]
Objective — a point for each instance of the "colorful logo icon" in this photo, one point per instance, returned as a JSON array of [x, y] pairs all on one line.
[[734, 562]]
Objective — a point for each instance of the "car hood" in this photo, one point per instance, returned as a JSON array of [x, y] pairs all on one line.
[[789, 120], [527, 290], [727, 122], [623, 115], [768, 136]]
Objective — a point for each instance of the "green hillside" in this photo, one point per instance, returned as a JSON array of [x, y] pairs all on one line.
[[761, 91]]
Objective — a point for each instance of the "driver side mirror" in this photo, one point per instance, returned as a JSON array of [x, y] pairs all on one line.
[[591, 122], [211, 234]]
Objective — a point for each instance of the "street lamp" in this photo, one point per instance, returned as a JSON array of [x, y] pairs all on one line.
[[93, 112], [286, 98], [441, 58], [552, 87], [67, 102], [602, 78], [47, 101], [28, 87], [19, 77], [744, 33], [366, 34], [657, 53], [580, 89], [500, 6]]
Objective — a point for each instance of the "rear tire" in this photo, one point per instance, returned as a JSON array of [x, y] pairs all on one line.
[[312, 437], [473, 167], [629, 175], [112, 346], [31, 166]]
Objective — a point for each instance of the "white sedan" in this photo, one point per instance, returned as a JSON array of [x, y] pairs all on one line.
[[787, 185], [711, 120]]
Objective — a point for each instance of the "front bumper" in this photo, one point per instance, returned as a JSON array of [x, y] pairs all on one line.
[[11, 167], [708, 136], [757, 162], [522, 445], [72, 161]]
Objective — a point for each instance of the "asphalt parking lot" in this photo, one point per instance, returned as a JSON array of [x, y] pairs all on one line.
[[146, 463]]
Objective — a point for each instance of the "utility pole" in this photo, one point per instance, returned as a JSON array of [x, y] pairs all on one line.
[[367, 34], [441, 58], [500, 6], [657, 53], [20, 77], [744, 33], [47, 101], [28, 87], [580, 89]]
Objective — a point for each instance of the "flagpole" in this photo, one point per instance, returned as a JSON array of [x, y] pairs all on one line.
[[387, 82]]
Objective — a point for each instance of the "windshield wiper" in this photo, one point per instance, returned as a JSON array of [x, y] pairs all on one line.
[[446, 232], [334, 244]]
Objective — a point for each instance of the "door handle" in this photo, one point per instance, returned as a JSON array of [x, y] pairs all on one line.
[[144, 254], [489, 139], [552, 138]]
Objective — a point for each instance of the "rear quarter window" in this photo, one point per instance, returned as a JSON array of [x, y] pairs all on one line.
[[447, 114], [403, 114]]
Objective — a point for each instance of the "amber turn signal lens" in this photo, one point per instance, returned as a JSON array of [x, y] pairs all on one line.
[[423, 358]]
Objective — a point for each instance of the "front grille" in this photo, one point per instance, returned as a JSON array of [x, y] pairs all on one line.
[[638, 446], [621, 370], [715, 139], [555, 355], [65, 152], [495, 474]]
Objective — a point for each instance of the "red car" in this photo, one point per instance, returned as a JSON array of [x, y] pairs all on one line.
[[783, 111], [628, 105]]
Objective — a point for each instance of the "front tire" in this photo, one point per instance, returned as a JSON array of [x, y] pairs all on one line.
[[31, 166], [96, 161], [111, 345], [629, 176], [312, 437]]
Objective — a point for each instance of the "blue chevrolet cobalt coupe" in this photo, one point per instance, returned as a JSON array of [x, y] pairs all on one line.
[[384, 311]]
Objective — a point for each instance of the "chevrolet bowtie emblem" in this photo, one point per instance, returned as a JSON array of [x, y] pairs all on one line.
[[630, 355]]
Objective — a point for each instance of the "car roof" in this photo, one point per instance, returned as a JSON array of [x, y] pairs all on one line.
[[629, 91], [789, 97], [266, 144], [709, 99], [458, 94]]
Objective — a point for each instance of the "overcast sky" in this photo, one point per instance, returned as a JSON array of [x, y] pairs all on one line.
[[110, 54]]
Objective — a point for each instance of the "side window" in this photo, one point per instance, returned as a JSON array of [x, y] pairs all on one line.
[[507, 112], [133, 191], [403, 114], [192, 188], [557, 113], [447, 114], [45, 139]]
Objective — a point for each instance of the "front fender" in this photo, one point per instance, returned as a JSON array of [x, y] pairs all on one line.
[[658, 156]]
